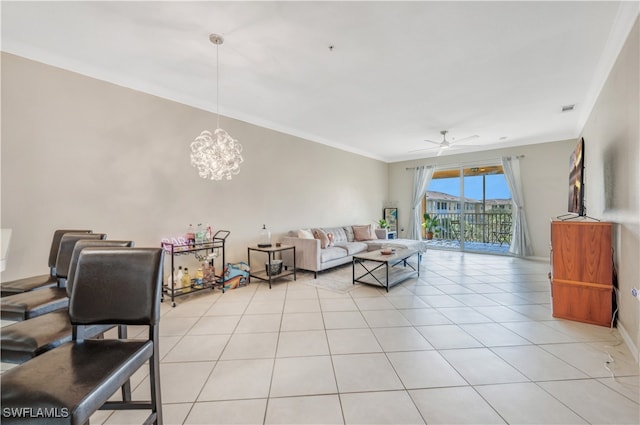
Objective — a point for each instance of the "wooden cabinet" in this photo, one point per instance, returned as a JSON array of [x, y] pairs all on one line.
[[582, 271]]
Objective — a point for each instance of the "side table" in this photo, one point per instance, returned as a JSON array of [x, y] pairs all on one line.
[[271, 251]]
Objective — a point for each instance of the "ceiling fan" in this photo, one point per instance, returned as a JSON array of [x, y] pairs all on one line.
[[444, 144]]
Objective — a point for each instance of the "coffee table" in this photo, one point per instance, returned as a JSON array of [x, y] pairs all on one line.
[[385, 270]]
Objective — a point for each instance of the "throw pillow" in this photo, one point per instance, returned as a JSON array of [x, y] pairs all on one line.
[[363, 233], [305, 234], [322, 236]]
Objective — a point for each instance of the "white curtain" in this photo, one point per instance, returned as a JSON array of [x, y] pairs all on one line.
[[421, 180], [520, 239]]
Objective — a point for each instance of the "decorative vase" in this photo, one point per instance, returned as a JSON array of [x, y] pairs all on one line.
[[265, 237]]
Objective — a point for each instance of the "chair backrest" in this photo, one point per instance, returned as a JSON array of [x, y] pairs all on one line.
[[55, 246], [119, 286], [86, 243], [67, 243]]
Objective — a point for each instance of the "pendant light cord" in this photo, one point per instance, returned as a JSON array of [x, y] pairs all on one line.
[[218, 85]]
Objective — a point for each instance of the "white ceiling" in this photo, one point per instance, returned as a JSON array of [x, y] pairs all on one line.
[[399, 72]]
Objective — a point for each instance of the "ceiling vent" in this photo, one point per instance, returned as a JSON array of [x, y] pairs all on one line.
[[567, 108]]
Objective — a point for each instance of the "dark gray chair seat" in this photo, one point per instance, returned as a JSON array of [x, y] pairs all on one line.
[[67, 382], [36, 303], [43, 281], [24, 340], [118, 286], [28, 284]]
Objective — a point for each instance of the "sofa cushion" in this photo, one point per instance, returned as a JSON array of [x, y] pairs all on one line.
[[322, 237], [339, 235], [305, 234], [354, 247], [364, 233], [348, 230], [332, 253]]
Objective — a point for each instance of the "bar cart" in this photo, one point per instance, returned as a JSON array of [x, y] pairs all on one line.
[[203, 251]]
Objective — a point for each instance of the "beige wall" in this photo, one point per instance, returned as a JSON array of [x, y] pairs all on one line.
[[78, 152], [612, 172], [545, 180]]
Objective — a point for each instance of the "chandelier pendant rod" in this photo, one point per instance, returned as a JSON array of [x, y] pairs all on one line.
[[218, 83]]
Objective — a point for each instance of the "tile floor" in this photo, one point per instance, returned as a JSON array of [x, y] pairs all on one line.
[[471, 341]]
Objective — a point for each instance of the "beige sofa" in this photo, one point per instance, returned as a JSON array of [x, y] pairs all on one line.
[[314, 253]]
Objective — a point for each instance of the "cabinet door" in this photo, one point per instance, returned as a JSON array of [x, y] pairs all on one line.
[[582, 252]]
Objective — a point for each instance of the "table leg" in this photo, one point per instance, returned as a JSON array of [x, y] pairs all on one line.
[[269, 269], [295, 269], [353, 271], [387, 272]]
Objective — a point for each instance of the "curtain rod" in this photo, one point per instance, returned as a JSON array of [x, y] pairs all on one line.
[[462, 164]]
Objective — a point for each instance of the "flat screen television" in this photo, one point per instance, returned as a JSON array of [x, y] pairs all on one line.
[[576, 180]]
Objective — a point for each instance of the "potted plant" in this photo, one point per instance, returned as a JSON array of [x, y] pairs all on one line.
[[430, 224], [383, 224]]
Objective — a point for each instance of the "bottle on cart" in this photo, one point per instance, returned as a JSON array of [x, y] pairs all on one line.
[[190, 236], [209, 234], [199, 277], [200, 234], [186, 279], [178, 279]]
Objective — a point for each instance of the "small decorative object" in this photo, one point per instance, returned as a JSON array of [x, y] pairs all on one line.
[[330, 237], [386, 252], [265, 237]]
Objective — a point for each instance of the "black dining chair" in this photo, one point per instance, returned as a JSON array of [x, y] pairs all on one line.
[[22, 341], [32, 283], [36, 303], [118, 286]]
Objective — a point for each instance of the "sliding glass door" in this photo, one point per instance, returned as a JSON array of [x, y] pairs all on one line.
[[473, 209]]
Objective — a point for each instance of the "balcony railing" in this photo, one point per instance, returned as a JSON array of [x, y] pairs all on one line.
[[486, 228]]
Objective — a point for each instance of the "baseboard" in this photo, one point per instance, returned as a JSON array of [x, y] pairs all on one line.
[[543, 259], [629, 342]]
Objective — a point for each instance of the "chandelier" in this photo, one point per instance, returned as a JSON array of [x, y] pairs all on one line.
[[217, 155]]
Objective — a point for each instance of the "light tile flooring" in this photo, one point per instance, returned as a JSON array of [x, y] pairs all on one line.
[[471, 341]]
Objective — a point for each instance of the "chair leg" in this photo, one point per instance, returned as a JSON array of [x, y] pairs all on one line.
[[126, 388], [154, 378]]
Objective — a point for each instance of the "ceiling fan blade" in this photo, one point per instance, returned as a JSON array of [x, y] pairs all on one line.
[[431, 141]]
